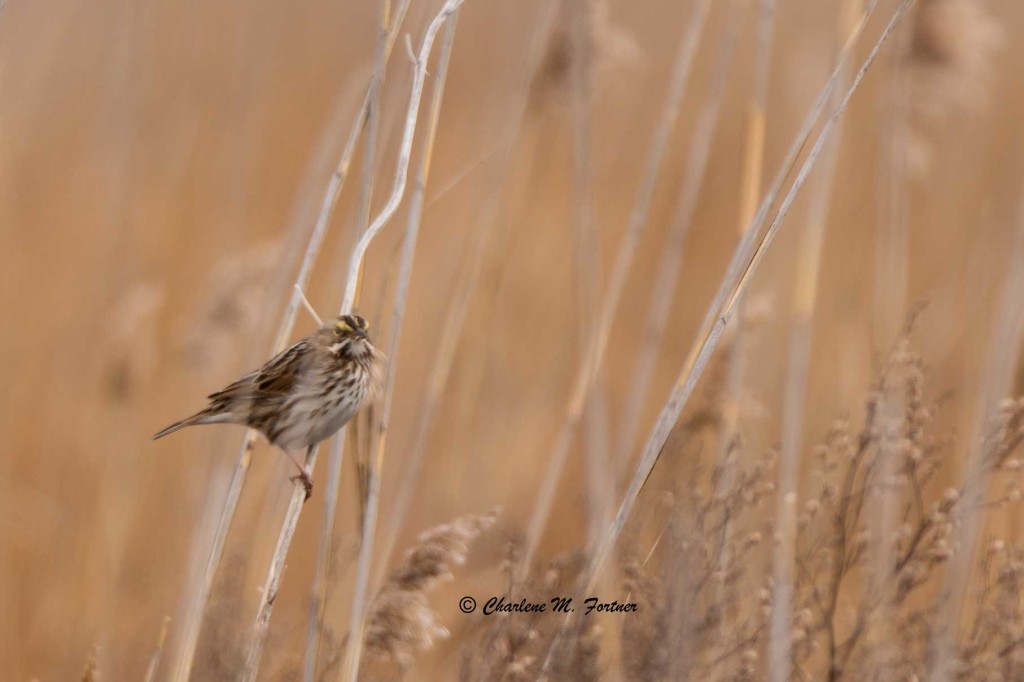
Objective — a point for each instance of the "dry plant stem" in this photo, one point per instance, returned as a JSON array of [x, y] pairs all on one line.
[[385, 42], [624, 260], [357, 623], [750, 190], [372, 125], [1002, 355], [747, 258], [891, 252], [795, 395], [194, 616], [455, 315], [670, 266], [308, 306], [158, 651], [294, 511], [277, 563], [890, 280], [325, 553], [595, 440], [402, 168]]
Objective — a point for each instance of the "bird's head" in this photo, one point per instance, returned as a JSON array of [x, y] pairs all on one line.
[[350, 336]]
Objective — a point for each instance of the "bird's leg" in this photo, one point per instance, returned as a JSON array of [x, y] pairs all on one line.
[[303, 475]]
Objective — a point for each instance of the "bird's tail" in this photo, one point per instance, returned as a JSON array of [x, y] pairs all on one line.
[[201, 417]]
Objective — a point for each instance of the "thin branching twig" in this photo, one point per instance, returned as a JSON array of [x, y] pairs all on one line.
[[361, 588], [291, 519], [404, 154], [318, 600]]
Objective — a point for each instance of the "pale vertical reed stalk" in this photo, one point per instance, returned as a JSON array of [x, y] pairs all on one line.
[[294, 511], [997, 382], [891, 273], [458, 308], [672, 253], [586, 257], [805, 293], [750, 190], [623, 263], [158, 651], [748, 256], [361, 589], [387, 34], [891, 246]]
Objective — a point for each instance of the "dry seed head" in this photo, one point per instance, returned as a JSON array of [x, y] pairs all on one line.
[[401, 623]]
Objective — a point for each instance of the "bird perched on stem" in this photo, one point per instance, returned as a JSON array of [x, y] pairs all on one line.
[[304, 394]]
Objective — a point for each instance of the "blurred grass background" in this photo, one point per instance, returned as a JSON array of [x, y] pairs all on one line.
[[160, 169]]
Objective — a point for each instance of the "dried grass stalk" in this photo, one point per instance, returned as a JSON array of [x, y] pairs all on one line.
[[805, 295]]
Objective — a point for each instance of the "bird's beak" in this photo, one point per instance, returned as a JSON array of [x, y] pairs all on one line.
[[360, 333]]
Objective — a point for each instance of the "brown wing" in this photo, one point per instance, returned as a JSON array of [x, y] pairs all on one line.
[[276, 378]]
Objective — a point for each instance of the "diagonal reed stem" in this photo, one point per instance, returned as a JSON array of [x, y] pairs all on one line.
[[670, 266], [748, 256], [624, 260]]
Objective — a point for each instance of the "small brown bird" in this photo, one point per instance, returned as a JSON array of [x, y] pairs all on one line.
[[304, 394]]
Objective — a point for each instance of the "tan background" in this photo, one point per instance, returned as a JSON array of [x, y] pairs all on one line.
[[160, 168]]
